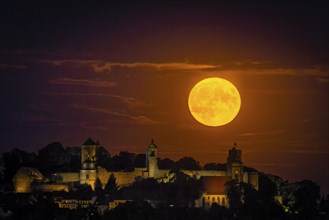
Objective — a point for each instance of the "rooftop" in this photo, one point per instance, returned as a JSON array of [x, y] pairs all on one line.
[[89, 142]]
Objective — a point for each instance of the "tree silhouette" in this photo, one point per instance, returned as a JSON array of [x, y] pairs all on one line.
[[188, 163], [15, 159], [140, 160], [103, 157], [53, 158], [307, 199], [324, 206], [217, 212], [214, 166], [98, 186], [111, 185], [166, 164], [234, 194]]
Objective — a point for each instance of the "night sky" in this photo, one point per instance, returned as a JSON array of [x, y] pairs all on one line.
[[122, 73]]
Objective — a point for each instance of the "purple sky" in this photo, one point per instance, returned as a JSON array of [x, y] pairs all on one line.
[[121, 73]]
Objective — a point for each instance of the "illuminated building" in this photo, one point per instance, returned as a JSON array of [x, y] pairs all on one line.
[[89, 173]]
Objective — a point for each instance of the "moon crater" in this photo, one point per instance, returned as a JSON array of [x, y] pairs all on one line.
[[214, 102]]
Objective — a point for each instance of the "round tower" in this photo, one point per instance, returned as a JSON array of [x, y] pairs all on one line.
[[151, 160]]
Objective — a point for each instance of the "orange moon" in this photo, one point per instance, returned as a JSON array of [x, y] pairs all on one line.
[[214, 102]]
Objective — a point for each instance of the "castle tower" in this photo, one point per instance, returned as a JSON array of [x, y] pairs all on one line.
[[88, 172], [88, 151], [151, 160], [234, 164]]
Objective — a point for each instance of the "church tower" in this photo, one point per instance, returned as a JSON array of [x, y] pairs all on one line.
[[88, 151], [151, 160], [234, 164], [88, 172]]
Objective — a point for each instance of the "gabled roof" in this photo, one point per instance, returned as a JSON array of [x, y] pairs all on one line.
[[89, 142], [215, 185]]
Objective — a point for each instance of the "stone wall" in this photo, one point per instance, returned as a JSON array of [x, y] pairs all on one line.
[[24, 177], [253, 179], [122, 178], [52, 187], [199, 173], [126, 178], [22, 183], [69, 177]]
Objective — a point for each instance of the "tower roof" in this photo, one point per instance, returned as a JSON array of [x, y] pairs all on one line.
[[152, 144], [89, 141]]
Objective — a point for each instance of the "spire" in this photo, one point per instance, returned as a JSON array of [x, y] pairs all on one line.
[[152, 145]]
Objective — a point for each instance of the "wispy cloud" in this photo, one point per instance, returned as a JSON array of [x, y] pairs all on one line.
[[80, 124], [101, 67], [307, 120], [247, 62], [261, 133], [139, 119], [84, 82], [89, 126], [244, 67], [317, 72], [104, 66], [38, 118], [130, 101]]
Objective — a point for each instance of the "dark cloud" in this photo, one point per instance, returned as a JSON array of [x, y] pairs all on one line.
[[84, 82], [130, 101], [138, 119]]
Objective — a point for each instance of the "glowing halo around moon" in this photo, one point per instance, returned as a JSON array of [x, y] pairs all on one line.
[[214, 102]]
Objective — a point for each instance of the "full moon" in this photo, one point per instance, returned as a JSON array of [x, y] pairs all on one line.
[[214, 102]]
